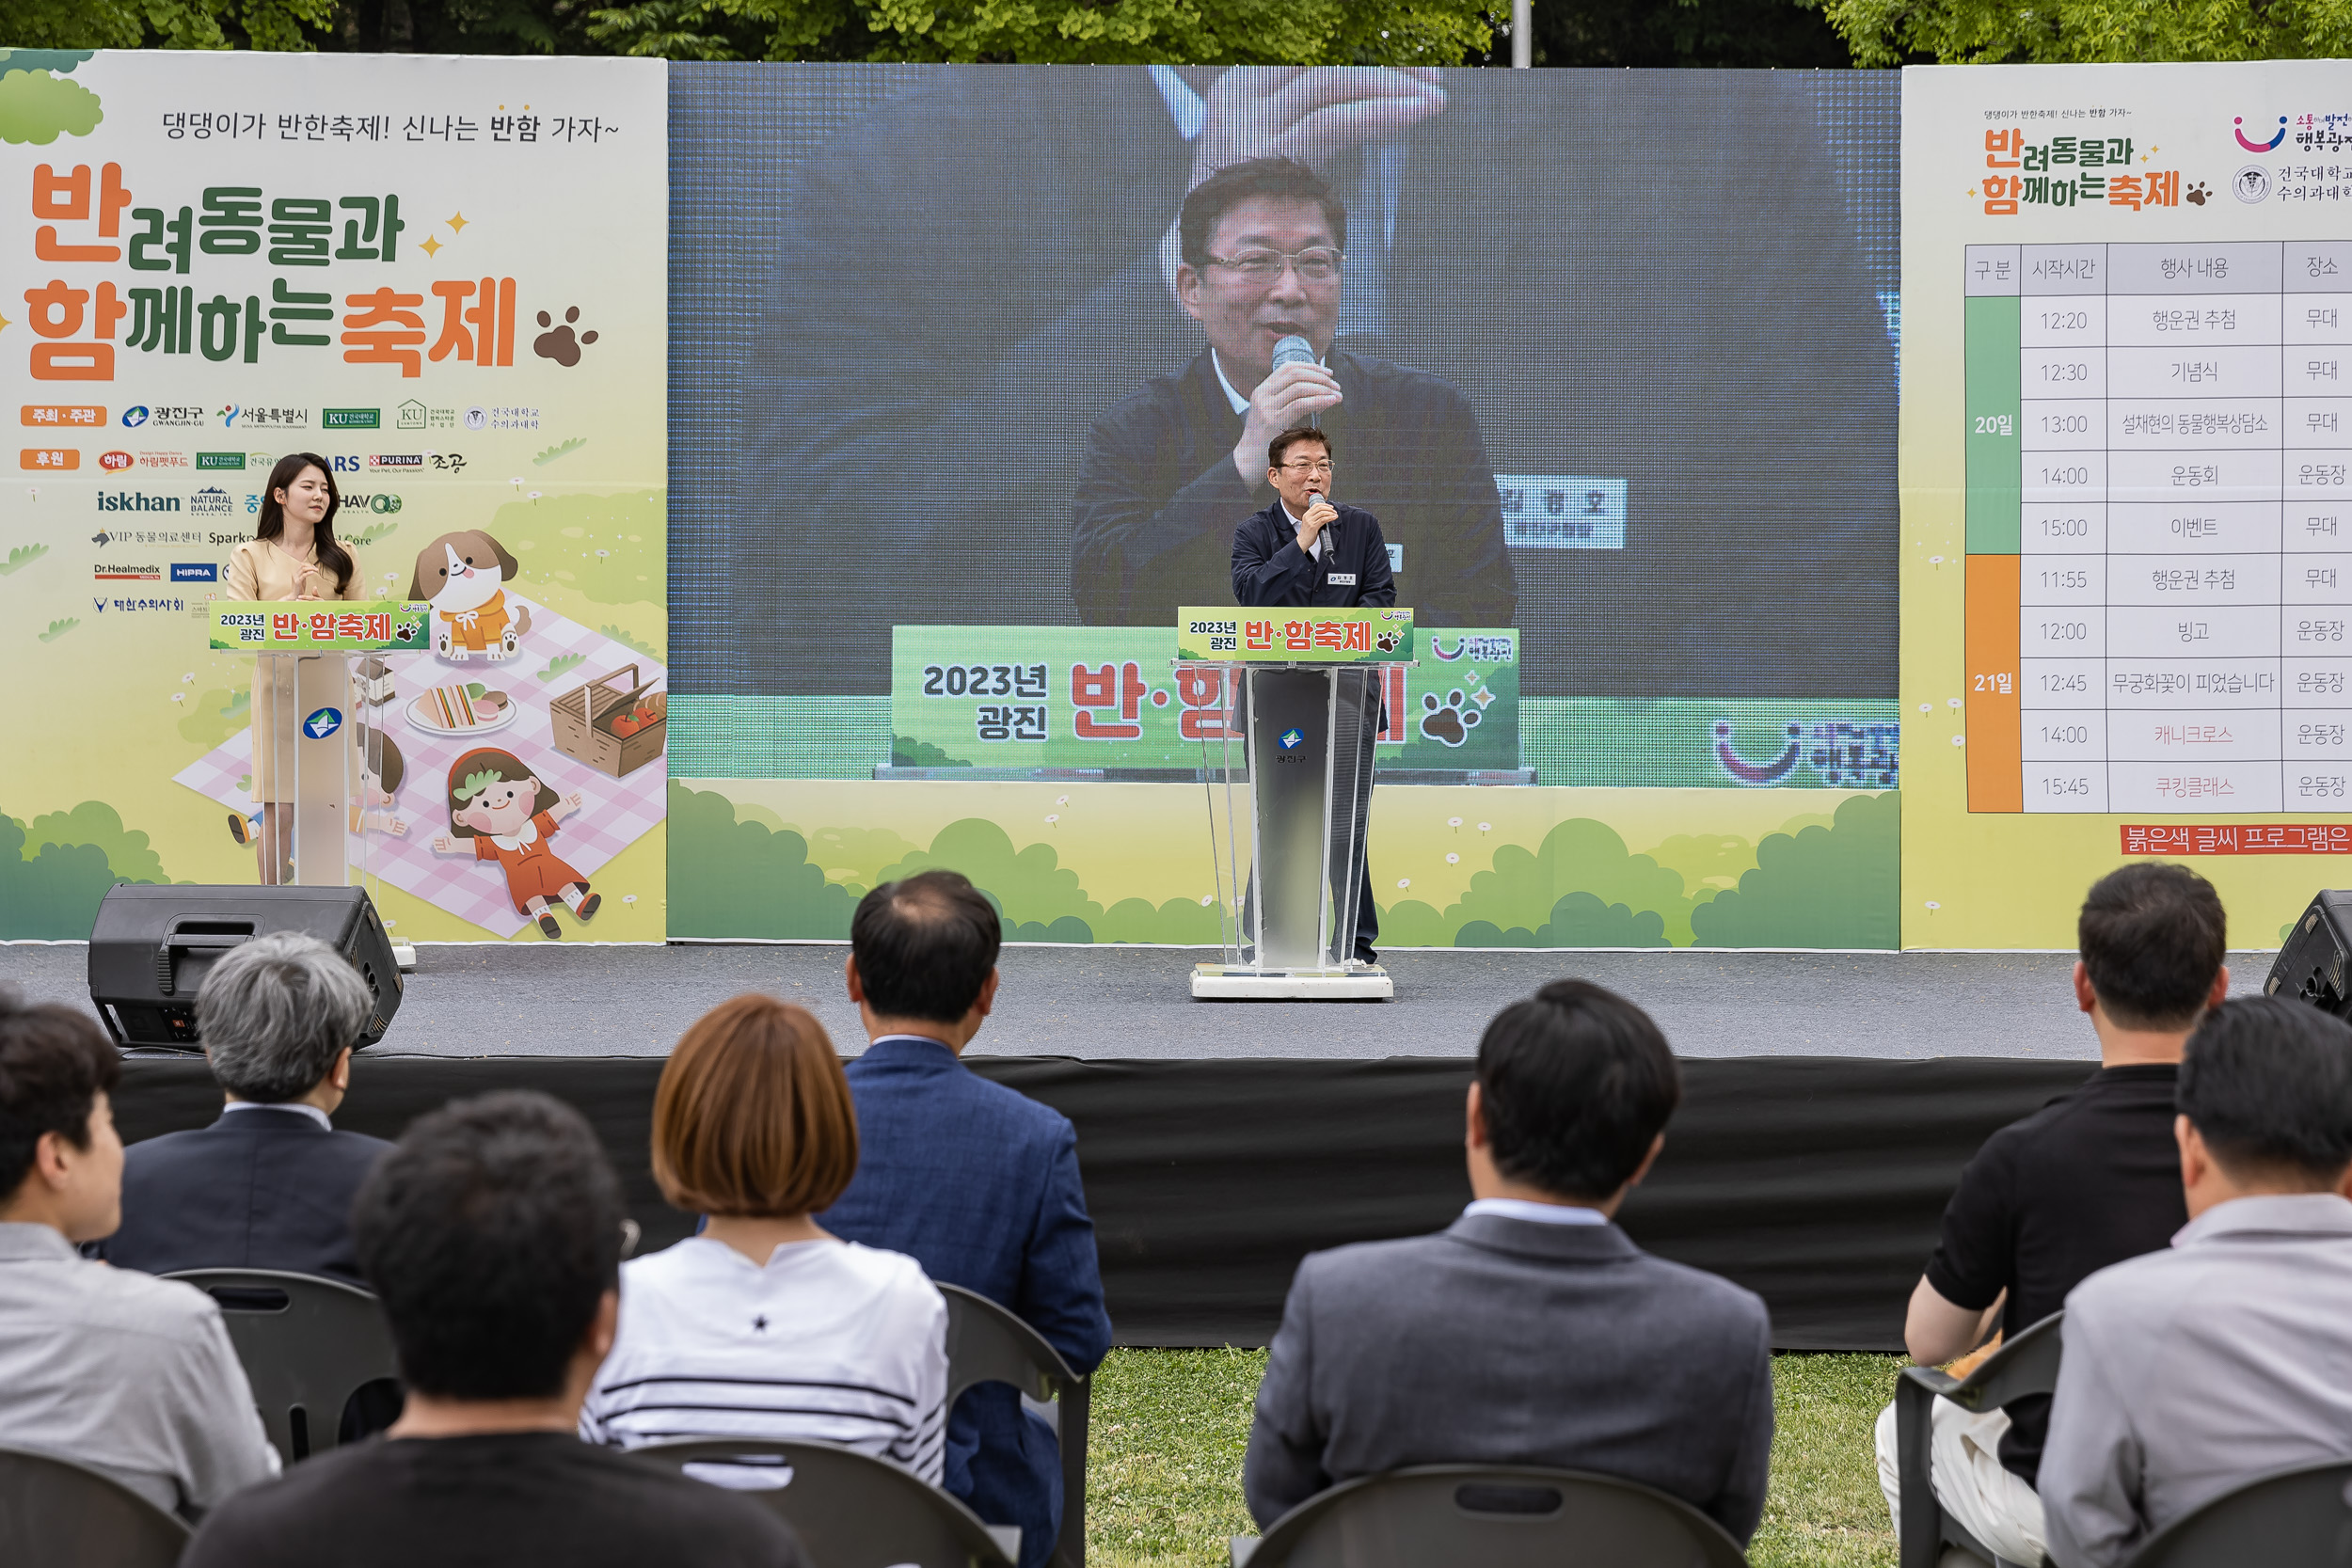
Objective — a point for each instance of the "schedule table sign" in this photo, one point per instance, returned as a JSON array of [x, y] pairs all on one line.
[[2159, 527]]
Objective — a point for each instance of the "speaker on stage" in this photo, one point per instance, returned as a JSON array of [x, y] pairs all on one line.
[[152, 947], [2311, 962]]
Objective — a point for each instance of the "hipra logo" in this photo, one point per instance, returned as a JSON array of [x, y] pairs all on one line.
[[2238, 129], [1757, 772], [135, 416], [195, 571]]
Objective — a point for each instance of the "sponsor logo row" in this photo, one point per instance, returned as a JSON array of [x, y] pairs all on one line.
[[69, 460], [215, 501], [411, 415]]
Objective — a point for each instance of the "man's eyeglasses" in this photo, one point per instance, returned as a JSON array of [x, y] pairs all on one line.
[[1315, 265], [1320, 466]]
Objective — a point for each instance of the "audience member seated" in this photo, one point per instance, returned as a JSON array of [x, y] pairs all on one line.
[[122, 1373], [765, 1325], [269, 1184], [1532, 1331], [492, 1232], [976, 1182], [2223, 1357], [2089, 1180]]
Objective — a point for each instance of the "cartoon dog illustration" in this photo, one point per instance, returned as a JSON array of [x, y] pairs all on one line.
[[509, 813], [465, 575]]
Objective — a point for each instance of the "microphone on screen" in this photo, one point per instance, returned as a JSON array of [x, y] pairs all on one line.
[[1295, 350]]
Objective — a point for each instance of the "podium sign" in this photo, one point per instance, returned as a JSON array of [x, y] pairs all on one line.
[[311, 627], [1306, 634]]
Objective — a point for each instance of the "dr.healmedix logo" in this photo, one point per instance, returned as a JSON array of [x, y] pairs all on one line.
[[136, 500]]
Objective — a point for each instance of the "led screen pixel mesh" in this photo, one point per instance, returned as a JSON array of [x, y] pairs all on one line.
[[927, 369]]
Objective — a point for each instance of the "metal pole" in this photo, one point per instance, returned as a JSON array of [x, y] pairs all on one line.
[[1522, 34]]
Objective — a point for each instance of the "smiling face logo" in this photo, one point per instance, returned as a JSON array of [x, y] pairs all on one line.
[[1757, 772], [2238, 129]]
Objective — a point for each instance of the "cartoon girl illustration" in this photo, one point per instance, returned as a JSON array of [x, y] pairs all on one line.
[[381, 769], [497, 802]]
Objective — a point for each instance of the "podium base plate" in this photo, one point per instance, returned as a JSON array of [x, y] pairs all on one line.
[[1236, 983]]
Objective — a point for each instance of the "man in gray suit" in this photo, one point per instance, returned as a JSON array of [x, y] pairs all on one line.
[[1531, 1331], [2194, 1368]]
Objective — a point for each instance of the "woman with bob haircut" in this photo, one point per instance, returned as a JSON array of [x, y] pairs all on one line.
[[765, 1325]]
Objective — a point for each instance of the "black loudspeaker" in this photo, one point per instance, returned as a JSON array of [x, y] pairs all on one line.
[[2312, 961], [152, 947]]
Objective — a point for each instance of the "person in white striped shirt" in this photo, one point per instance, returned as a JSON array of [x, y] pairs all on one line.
[[765, 1325]]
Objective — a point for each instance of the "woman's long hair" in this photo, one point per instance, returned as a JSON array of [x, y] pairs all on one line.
[[331, 555]]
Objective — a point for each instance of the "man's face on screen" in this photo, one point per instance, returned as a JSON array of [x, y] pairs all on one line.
[[1245, 320]]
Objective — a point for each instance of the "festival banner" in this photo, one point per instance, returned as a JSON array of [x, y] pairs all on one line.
[[2127, 536], [445, 277]]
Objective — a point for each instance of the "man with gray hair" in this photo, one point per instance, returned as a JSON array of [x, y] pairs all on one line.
[[269, 1185]]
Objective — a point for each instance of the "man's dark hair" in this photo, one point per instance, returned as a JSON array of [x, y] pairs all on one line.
[[2268, 1084], [924, 945], [1277, 448], [54, 1065], [490, 1232], [2153, 936], [1576, 1083], [1235, 184]]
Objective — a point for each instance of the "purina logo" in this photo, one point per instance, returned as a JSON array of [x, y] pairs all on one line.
[[396, 460]]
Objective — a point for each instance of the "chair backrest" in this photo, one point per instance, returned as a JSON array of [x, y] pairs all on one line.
[[849, 1509], [1498, 1516], [2303, 1516], [2025, 1365], [988, 1344], [307, 1344], [2022, 1367], [56, 1513]]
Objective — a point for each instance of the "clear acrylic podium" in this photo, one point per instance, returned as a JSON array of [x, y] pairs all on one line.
[[317, 686], [1288, 769]]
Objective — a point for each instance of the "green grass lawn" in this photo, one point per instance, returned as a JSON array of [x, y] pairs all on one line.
[[1165, 1450]]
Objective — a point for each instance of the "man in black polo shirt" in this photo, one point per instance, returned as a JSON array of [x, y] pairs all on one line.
[[2089, 1180]]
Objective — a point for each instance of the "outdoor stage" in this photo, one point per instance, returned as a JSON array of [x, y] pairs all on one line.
[[1830, 1098]]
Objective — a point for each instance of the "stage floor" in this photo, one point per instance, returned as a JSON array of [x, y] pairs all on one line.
[[1131, 1002]]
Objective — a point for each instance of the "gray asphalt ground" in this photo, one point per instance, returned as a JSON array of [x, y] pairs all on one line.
[[498, 999]]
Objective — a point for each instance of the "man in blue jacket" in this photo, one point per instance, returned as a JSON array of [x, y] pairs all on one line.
[[975, 1181], [1304, 551]]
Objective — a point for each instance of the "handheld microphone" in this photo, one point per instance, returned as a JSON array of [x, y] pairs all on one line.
[[1295, 350]]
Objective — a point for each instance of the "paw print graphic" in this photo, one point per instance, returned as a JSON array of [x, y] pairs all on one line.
[[557, 343], [2195, 195], [1388, 641], [1449, 721]]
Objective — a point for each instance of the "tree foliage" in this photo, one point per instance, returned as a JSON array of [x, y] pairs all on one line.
[[162, 23], [1786, 33], [2055, 32], [1053, 32]]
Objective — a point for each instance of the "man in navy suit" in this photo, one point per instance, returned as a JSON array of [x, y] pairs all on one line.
[[977, 1183], [1303, 550], [269, 1185]]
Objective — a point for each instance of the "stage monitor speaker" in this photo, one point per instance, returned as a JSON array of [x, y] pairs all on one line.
[[2311, 962], [152, 947]]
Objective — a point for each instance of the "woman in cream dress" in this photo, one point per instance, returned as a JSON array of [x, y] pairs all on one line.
[[292, 556]]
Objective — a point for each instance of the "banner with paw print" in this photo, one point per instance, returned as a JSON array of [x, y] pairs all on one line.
[[439, 285]]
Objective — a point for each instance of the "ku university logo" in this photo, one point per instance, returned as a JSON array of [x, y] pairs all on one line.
[[1293, 739]]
